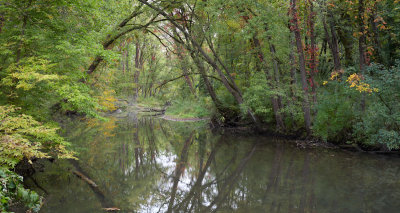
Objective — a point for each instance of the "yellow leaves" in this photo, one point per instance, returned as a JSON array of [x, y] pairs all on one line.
[[106, 127], [109, 127], [30, 72], [336, 74], [233, 25], [107, 100], [22, 136], [331, 5], [355, 81]]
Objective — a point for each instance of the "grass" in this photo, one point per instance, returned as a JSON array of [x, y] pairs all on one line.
[[190, 109]]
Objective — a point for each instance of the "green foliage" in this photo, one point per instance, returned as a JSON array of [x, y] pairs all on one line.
[[29, 72], [23, 137], [258, 97], [76, 98], [381, 122], [150, 101], [12, 190], [335, 113], [187, 108]]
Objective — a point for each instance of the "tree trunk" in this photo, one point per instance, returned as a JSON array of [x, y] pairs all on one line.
[[345, 36], [377, 45], [138, 66], [296, 29], [361, 45], [278, 114], [293, 71], [275, 100], [2, 20], [127, 59], [313, 51], [230, 86], [21, 42], [333, 41], [110, 39], [210, 88], [181, 57], [293, 74]]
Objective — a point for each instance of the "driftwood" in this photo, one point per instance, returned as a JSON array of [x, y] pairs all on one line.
[[106, 202], [86, 179], [111, 209], [152, 110], [169, 118]]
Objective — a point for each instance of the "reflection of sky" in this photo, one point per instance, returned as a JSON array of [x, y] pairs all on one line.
[[158, 202]]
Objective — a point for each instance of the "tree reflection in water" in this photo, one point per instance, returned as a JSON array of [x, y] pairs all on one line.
[[151, 165]]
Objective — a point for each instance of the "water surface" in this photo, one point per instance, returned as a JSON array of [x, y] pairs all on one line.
[[152, 165]]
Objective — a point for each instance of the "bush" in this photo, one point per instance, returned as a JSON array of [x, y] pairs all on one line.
[[23, 137], [335, 113], [380, 124], [191, 108], [12, 191]]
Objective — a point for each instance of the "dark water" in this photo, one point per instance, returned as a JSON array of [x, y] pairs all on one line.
[[152, 165]]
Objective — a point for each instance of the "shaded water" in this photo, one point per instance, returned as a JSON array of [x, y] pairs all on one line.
[[152, 165]]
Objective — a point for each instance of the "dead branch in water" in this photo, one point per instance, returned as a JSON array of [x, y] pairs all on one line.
[[86, 179]]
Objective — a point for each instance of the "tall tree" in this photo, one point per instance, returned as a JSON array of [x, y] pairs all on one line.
[[296, 30]]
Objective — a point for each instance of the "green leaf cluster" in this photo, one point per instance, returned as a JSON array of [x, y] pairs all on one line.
[[23, 137], [12, 190]]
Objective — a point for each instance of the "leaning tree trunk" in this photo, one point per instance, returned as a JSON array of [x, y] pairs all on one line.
[[230, 86], [122, 30], [210, 88], [183, 64]]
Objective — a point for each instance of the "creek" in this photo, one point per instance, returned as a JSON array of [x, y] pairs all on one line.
[[147, 164]]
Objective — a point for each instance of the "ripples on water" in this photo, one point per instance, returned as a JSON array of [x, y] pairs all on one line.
[[152, 165]]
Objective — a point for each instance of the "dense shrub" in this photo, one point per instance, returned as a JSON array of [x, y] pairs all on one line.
[[23, 137], [335, 113], [12, 191], [380, 124]]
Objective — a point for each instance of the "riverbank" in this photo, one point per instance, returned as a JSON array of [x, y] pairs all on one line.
[[247, 129]]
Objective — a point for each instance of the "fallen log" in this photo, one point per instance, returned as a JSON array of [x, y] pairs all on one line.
[[106, 203], [111, 209], [86, 179], [152, 110]]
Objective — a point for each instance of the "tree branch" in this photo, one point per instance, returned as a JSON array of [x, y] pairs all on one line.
[[183, 75]]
